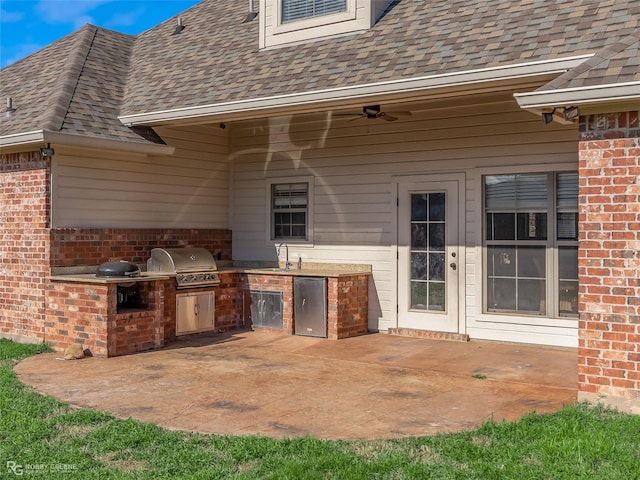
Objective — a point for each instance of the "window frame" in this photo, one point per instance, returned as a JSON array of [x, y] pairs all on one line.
[[552, 246], [281, 10], [307, 23], [270, 220]]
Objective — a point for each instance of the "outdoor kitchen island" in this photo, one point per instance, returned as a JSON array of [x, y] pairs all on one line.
[[347, 295], [109, 316], [118, 316]]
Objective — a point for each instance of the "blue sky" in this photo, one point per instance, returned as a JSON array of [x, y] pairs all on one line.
[[27, 26]]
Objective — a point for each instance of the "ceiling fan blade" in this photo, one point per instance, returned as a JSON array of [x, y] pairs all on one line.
[[387, 117], [401, 113]]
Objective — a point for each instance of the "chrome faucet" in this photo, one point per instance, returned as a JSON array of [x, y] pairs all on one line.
[[287, 264]]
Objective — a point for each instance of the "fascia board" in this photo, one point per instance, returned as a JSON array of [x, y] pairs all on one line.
[[579, 95], [25, 138], [107, 144], [468, 77], [39, 137]]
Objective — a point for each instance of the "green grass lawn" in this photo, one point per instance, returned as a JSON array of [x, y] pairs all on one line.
[[41, 437]]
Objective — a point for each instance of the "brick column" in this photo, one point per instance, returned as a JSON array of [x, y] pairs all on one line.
[[609, 260], [24, 244]]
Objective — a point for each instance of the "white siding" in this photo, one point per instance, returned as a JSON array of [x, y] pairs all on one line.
[[122, 190], [355, 165]]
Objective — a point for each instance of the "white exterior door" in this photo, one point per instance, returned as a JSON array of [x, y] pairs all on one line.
[[429, 255]]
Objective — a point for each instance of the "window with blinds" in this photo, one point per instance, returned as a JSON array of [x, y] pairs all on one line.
[[531, 249], [289, 207], [293, 10]]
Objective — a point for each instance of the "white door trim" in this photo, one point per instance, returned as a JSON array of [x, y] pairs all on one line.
[[397, 181]]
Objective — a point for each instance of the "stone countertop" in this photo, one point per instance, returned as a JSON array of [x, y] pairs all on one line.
[[310, 270], [87, 275], [91, 278]]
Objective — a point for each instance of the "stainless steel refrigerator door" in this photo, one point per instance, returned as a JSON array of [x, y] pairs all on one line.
[[310, 306]]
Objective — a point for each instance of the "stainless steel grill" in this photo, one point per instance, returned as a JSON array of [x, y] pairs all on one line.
[[193, 267]]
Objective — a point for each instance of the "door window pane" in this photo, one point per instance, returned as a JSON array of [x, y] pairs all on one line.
[[419, 236], [436, 296], [436, 236], [418, 266], [436, 266], [418, 207], [436, 207], [427, 254]]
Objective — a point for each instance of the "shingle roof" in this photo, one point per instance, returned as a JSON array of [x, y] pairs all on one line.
[[616, 63], [75, 85], [81, 83], [216, 58]]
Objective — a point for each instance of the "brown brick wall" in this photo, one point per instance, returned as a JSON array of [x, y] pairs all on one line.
[[227, 302], [347, 308], [93, 246], [609, 256], [87, 314], [79, 313], [24, 243]]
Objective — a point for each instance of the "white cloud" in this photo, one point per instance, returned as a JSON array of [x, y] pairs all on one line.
[[75, 12]]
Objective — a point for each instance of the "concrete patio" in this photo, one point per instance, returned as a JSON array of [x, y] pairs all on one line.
[[263, 383]]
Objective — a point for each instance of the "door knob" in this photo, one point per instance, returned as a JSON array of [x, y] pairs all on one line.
[[453, 265]]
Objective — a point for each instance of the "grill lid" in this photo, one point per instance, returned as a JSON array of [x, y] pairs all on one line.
[[181, 260], [118, 269]]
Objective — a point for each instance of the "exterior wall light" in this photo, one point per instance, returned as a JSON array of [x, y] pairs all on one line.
[[547, 117], [47, 151]]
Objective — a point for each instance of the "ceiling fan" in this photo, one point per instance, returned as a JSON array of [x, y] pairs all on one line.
[[372, 112]]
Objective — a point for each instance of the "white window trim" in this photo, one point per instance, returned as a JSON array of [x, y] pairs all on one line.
[[312, 22], [309, 180], [482, 317], [275, 33]]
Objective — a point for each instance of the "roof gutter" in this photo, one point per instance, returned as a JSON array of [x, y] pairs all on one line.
[[579, 95], [26, 138], [43, 136], [469, 77]]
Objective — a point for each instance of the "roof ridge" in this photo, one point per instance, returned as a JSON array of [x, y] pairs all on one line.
[[603, 55], [59, 104]]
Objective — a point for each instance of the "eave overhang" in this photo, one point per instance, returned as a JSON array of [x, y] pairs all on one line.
[[613, 93], [37, 138], [327, 96]]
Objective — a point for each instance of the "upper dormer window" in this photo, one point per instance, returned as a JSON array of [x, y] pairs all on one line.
[[295, 21], [293, 10]]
